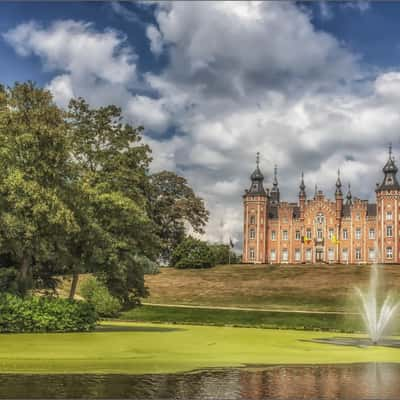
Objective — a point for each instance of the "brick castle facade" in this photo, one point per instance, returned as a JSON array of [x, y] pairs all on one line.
[[345, 231]]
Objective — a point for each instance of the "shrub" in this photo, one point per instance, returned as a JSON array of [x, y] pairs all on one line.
[[223, 254], [45, 314], [193, 253], [149, 267], [97, 294]]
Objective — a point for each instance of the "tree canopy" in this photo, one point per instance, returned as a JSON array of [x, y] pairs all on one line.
[[76, 195]]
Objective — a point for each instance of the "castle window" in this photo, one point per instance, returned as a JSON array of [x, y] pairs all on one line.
[[345, 234], [358, 216], [284, 255], [371, 233], [389, 231], [297, 235], [252, 254], [358, 254], [308, 234], [330, 233], [320, 218], [389, 215], [319, 234], [273, 235], [389, 252], [371, 254], [297, 255], [273, 255], [331, 254], [285, 235], [358, 233], [345, 254], [308, 254], [252, 219], [252, 233]]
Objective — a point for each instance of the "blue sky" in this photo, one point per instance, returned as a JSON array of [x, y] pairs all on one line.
[[312, 86]]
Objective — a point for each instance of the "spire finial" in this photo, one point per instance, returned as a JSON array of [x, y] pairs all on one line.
[[390, 150], [275, 182], [316, 190], [258, 159], [302, 185], [338, 173]]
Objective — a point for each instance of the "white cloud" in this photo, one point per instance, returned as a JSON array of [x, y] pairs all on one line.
[[241, 78]]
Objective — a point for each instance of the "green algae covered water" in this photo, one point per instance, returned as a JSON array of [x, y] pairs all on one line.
[[341, 381]]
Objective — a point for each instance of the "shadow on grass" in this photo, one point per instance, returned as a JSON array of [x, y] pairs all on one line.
[[125, 328]]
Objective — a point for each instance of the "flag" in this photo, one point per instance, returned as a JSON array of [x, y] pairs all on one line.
[[335, 240], [231, 243]]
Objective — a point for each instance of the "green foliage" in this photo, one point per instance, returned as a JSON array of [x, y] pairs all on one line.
[[45, 314], [172, 204], [223, 254], [149, 267], [97, 294], [193, 253]]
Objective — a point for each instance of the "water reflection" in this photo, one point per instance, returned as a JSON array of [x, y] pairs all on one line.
[[354, 381]]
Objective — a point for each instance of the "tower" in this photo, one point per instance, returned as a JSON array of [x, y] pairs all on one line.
[[338, 199], [387, 202], [255, 218]]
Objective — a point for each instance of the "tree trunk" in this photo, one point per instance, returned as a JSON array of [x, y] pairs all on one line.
[[23, 275], [74, 284]]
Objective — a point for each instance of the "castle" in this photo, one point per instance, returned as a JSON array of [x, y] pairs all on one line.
[[343, 231]]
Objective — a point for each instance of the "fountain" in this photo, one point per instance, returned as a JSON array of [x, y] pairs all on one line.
[[376, 316]]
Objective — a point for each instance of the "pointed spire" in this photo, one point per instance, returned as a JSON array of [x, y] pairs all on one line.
[[302, 186], [275, 182], [349, 197], [390, 169], [338, 184], [316, 191], [275, 195], [257, 179]]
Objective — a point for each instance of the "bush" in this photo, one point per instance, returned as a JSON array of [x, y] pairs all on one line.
[[45, 314], [193, 253], [97, 294], [223, 254], [149, 267]]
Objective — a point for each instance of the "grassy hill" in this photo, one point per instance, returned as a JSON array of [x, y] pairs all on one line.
[[305, 287]]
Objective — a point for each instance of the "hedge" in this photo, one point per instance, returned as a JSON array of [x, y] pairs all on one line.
[[45, 314]]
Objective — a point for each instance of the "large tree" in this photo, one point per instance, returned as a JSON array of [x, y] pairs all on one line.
[[174, 207], [35, 176], [113, 166]]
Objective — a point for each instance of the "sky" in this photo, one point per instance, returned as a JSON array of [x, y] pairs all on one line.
[[312, 86]]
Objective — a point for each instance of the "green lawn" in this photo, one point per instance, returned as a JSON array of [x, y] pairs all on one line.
[[257, 319], [138, 348]]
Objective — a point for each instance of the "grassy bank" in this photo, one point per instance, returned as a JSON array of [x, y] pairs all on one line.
[[137, 348], [305, 287], [257, 319]]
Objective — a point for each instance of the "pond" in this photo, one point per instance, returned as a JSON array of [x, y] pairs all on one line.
[[343, 381]]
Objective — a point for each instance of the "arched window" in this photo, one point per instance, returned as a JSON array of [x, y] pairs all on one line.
[[320, 218]]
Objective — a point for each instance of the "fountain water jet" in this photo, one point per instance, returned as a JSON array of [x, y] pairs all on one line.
[[376, 316]]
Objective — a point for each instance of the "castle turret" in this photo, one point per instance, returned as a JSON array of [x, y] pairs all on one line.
[[388, 201], [255, 218], [275, 194], [349, 197], [338, 198]]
